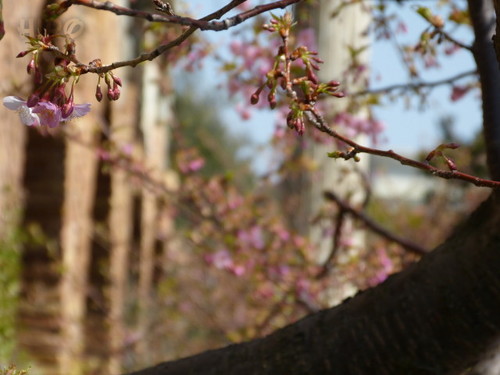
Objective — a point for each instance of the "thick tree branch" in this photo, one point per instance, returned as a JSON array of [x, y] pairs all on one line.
[[483, 20]]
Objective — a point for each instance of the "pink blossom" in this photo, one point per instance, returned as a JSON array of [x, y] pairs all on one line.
[[43, 113], [252, 237], [49, 114], [220, 259], [196, 164], [26, 114]]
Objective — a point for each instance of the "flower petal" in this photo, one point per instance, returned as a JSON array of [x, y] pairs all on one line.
[[13, 103], [28, 117], [80, 110], [49, 114]]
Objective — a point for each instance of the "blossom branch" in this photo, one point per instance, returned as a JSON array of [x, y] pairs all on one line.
[[319, 122], [202, 24], [417, 85], [372, 225]]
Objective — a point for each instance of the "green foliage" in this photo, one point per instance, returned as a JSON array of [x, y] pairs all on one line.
[[9, 291]]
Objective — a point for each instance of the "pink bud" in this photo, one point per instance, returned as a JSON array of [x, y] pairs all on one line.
[[32, 100], [31, 66], [117, 80], [312, 77], [272, 100], [98, 93], [254, 99], [116, 92], [22, 54]]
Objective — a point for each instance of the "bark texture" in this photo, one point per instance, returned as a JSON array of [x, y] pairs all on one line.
[[436, 317]]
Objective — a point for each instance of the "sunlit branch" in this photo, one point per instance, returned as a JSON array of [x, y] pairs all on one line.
[[416, 85], [204, 23], [319, 122]]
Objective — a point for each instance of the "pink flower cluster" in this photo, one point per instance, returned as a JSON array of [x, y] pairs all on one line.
[[36, 112]]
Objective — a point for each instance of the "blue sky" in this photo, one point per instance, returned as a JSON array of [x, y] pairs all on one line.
[[407, 130]]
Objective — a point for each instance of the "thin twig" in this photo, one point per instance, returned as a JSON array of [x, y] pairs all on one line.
[[451, 39], [416, 85], [374, 226]]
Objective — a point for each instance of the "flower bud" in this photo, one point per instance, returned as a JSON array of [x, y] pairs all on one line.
[[312, 77], [254, 99], [33, 100], [272, 100], [31, 66], [333, 84], [98, 93], [22, 54], [117, 80]]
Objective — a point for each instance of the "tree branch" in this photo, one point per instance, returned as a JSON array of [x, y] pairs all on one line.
[[204, 23], [373, 226], [319, 122], [451, 39], [416, 85], [436, 316], [483, 21]]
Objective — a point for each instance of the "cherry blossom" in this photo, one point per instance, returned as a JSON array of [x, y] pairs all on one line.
[[44, 113]]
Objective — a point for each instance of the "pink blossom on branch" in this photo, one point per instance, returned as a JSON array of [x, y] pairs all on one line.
[[43, 113]]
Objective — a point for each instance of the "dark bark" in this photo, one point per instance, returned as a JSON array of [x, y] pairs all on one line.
[[436, 317], [482, 15]]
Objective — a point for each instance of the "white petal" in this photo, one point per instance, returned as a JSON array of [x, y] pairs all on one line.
[[13, 102], [27, 117]]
